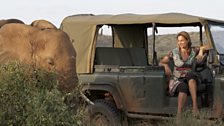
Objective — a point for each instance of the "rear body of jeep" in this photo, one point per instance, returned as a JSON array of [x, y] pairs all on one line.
[[127, 73]]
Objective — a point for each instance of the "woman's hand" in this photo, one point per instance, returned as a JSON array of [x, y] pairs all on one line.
[[200, 55]]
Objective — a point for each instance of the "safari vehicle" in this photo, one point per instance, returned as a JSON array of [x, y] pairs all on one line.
[[122, 80]]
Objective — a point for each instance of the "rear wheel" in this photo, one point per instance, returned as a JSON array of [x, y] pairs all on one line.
[[103, 113]]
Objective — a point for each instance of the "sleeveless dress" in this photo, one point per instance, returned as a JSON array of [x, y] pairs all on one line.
[[181, 68]]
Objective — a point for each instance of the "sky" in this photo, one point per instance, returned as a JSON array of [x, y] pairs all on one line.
[[56, 10]]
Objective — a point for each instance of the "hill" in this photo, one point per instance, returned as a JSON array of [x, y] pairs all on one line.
[[164, 42]]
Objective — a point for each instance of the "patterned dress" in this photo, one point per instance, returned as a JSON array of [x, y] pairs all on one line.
[[181, 68]]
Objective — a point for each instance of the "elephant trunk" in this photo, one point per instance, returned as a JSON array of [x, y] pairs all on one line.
[[68, 83]]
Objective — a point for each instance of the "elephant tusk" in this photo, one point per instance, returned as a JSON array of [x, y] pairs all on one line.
[[86, 99]]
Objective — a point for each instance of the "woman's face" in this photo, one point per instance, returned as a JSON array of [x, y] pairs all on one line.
[[182, 42]]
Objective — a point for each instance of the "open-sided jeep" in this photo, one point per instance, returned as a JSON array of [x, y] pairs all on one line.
[[121, 79]]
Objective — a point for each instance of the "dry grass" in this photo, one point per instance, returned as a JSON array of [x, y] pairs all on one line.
[[187, 119]]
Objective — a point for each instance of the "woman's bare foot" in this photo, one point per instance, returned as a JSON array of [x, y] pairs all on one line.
[[195, 112], [178, 119]]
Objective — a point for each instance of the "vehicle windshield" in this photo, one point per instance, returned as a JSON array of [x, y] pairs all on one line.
[[217, 32]]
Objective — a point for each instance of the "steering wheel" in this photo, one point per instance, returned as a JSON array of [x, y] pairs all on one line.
[[200, 66]]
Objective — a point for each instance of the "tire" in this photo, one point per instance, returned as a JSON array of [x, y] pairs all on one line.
[[102, 113]]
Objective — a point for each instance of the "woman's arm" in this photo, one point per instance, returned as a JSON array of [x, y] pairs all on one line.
[[165, 62], [201, 54]]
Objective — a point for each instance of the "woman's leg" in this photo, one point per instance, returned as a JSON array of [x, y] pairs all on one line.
[[193, 91], [182, 90], [182, 96]]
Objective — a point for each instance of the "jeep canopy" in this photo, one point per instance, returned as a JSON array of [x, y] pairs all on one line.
[[83, 30]]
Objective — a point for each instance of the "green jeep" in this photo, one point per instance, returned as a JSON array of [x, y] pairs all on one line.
[[121, 79]]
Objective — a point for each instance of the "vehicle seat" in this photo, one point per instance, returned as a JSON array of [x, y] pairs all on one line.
[[120, 56], [112, 56], [138, 56]]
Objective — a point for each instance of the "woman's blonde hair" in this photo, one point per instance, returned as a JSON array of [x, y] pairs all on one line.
[[186, 36]]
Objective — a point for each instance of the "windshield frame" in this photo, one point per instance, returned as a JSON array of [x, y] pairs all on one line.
[[219, 44]]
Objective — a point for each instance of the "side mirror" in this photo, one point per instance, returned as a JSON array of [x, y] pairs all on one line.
[[211, 56]]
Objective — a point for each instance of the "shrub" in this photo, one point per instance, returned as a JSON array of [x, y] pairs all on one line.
[[30, 97]]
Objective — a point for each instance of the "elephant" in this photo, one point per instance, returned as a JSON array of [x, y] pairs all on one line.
[[43, 24], [7, 21], [49, 49]]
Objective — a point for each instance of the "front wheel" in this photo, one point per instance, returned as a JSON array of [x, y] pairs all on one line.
[[102, 113]]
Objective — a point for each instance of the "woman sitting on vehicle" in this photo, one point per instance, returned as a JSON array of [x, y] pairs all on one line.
[[182, 80]]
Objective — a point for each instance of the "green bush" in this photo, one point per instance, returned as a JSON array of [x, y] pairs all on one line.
[[29, 97]]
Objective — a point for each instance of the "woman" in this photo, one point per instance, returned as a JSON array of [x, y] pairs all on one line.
[[182, 76]]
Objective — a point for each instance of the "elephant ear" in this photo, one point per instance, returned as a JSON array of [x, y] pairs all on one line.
[[8, 21], [43, 24], [15, 21], [2, 22]]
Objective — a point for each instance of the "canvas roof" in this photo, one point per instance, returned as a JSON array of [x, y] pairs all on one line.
[[167, 18], [82, 30]]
